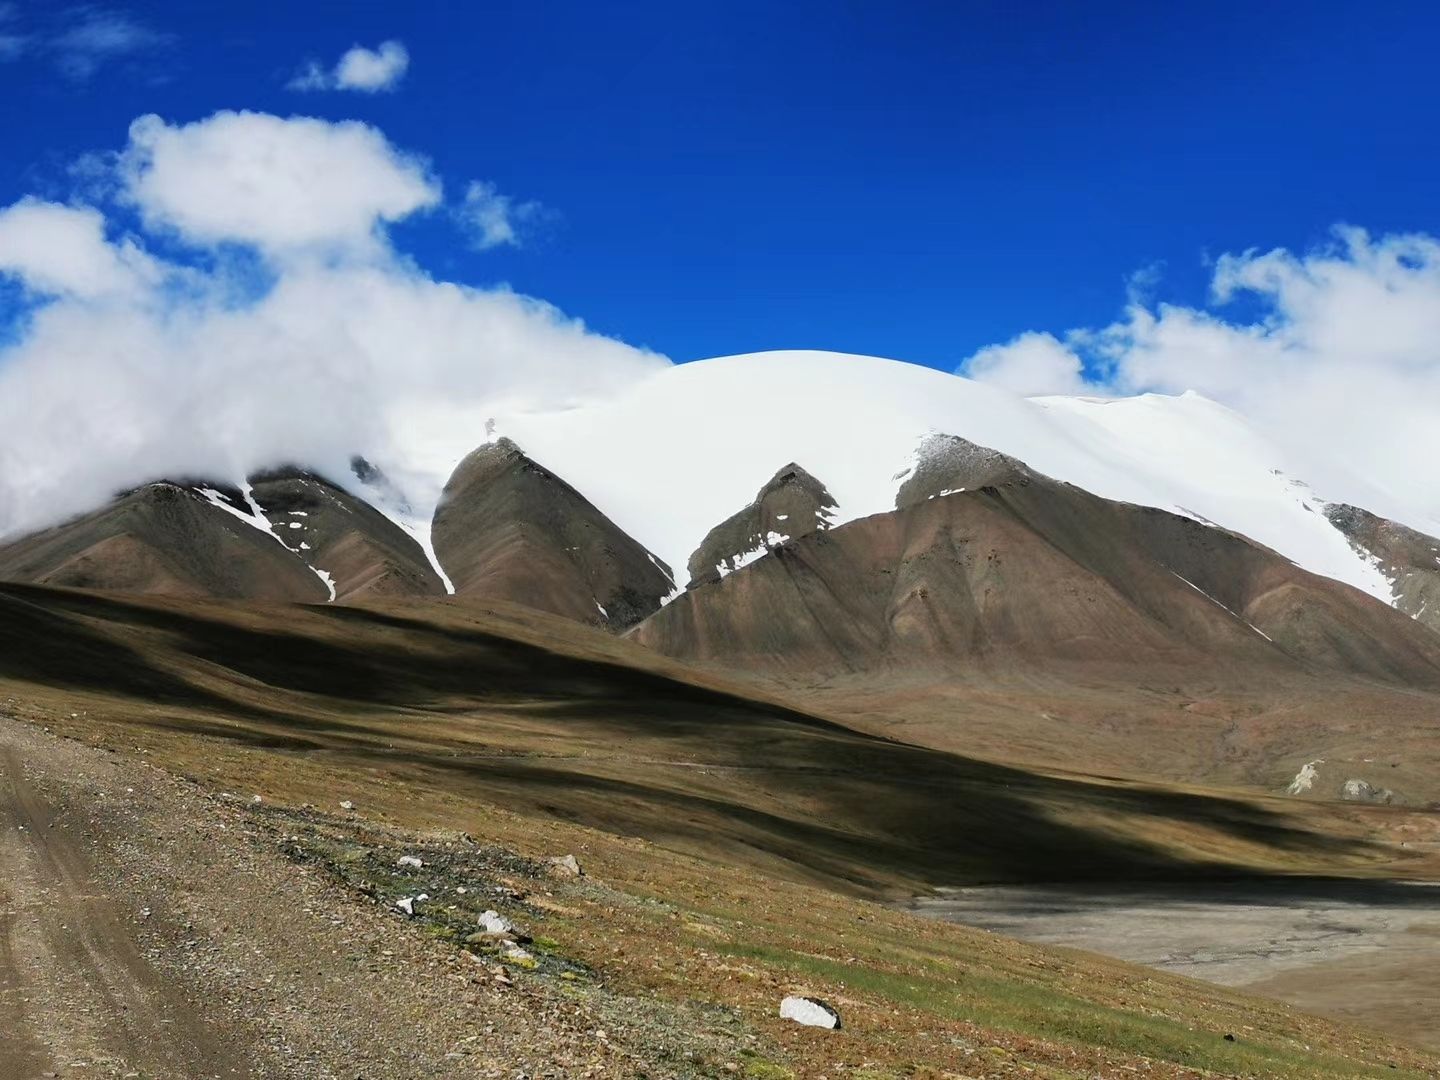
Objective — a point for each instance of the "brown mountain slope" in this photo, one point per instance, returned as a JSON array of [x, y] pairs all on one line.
[[205, 539], [163, 539], [1033, 623], [364, 552], [508, 529], [549, 718], [1029, 573]]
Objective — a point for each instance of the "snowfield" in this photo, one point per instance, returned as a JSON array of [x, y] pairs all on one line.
[[679, 451]]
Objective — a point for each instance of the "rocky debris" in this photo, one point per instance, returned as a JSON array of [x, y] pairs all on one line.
[[346, 804], [407, 903], [520, 957], [256, 799], [492, 922], [410, 861], [1364, 791], [1410, 560], [566, 866], [812, 1012]]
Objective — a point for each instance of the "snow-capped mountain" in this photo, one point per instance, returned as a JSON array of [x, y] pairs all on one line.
[[664, 476], [709, 434]]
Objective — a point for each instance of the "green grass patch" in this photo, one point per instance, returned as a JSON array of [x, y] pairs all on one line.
[[1052, 1013]]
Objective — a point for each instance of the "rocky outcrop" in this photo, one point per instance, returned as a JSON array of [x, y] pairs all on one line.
[[791, 504], [1408, 558], [509, 529], [948, 465]]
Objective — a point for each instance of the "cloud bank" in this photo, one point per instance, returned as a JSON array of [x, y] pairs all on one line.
[[1342, 358], [131, 366], [368, 71]]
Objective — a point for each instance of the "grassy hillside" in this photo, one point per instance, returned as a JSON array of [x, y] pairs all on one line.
[[728, 840], [544, 717]]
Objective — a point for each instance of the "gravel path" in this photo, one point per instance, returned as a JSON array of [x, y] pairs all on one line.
[[77, 994], [150, 930]]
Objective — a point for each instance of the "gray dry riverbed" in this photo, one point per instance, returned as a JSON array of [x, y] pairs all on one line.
[[1366, 952]]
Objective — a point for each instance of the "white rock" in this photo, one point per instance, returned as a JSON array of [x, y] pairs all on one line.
[[516, 955], [409, 860], [256, 799], [810, 1012], [567, 866], [1363, 791], [407, 904], [492, 922], [347, 805]]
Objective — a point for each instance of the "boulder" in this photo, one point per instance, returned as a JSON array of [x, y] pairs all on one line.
[[1364, 791], [812, 1012], [566, 866], [492, 922]]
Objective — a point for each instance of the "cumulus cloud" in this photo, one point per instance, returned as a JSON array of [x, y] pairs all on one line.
[[118, 377], [289, 187], [368, 71], [1343, 358], [1033, 363], [495, 220], [62, 251]]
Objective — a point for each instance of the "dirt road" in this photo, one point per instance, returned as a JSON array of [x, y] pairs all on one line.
[[149, 929], [75, 993]]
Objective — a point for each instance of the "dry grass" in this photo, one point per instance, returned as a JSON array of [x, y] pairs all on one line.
[[728, 841]]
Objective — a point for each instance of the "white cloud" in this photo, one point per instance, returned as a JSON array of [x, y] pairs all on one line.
[[96, 36], [1343, 358], [368, 71], [62, 251], [291, 187], [343, 355], [496, 220], [78, 40], [1031, 364]]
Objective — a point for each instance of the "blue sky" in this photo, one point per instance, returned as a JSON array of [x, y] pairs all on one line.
[[912, 180]]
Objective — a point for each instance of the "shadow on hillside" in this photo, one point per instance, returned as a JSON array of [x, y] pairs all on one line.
[[683, 765]]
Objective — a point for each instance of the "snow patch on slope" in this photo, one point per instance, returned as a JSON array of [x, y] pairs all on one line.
[[256, 519], [1228, 610]]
